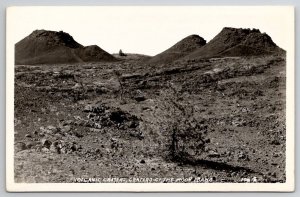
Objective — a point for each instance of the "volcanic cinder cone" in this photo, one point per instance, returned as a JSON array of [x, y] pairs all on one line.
[[51, 47], [237, 42], [179, 50]]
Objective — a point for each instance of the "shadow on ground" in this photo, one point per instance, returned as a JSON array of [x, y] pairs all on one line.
[[219, 166]]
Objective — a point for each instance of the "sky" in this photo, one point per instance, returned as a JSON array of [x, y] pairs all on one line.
[[147, 29]]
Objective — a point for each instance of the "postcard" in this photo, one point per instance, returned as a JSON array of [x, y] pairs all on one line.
[[150, 98]]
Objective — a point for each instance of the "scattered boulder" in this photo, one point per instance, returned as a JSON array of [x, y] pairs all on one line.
[[48, 130], [30, 144], [275, 142], [65, 129], [55, 147], [142, 161], [139, 96], [45, 150], [46, 143], [243, 156], [213, 153], [118, 116], [28, 136], [19, 146]]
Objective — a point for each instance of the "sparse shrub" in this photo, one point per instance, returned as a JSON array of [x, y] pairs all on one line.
[[120, 81], [80, 89], [121, 53], [186, 135]]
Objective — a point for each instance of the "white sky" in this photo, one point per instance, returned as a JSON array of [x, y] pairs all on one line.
[[149, 29]]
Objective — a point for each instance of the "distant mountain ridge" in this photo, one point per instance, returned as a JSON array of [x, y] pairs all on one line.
[[51, 47], [237, 42], [229, 42], [179, 50]]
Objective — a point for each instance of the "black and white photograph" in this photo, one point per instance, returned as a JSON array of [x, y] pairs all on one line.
[[150, 98]]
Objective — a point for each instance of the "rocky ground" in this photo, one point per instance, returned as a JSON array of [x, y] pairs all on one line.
[[109, 120]]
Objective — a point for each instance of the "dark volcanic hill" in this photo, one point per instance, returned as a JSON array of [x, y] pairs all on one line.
[[179, 50], [237, 42], [51, 47]]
